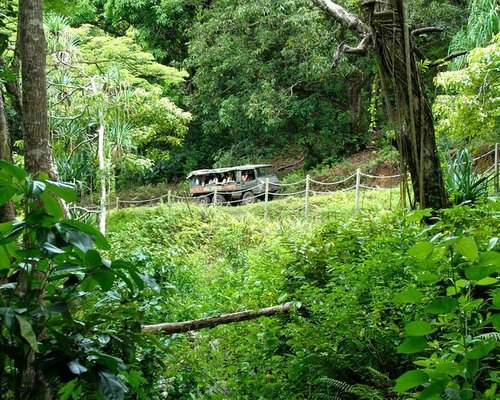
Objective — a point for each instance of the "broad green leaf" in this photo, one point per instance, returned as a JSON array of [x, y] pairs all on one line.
[[412, 344], [6, 193], [441, 305], [104, 278], [27, 332], [496, 298], [411, 296], [418, 328], [495, 320], [36, 188], [12, 170], [16, 228], [64, 190], [67, 390], [99, 238], [487, 281], [421, 250], [92, 259], [467, 247], [481, 349], [409, 380], [428, 278], [4, 258], [76, 237], [52, 249], [76, 367], [492, 243], [434, 390], [111, 387], [52, 206], [480, 271]]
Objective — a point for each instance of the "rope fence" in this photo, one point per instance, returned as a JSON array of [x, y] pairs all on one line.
[[308, 187]]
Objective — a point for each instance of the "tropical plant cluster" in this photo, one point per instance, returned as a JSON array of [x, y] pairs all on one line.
[[386, 307]]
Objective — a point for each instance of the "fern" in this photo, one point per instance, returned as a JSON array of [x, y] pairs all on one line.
[[489, 336], [362, 392]]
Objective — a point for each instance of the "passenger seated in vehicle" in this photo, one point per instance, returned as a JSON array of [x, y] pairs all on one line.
[[244, 177]]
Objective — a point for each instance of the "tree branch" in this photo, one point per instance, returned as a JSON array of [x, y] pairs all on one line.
[[360, 49], [449, 58], [343, 16], [196, 324], [423, 31]]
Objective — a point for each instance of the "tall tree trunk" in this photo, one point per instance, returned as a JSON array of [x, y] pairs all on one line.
[[37, 144], [38, 151], [6, 210], [409, 104]]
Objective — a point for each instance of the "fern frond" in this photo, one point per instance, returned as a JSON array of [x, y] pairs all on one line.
[[322, 396], [379, 378], [334, 383], [366, 392], [489, 336]]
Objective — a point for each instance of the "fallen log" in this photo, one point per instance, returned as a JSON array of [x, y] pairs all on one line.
[[196, 324]]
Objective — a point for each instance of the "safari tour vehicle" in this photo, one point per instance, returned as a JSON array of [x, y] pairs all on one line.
[[244, 183]]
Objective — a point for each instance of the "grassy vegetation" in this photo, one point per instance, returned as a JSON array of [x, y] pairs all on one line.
[[342, 269]]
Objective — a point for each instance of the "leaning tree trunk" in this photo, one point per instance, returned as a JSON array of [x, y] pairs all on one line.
[[38, 150], [6, 210], [407, 102]]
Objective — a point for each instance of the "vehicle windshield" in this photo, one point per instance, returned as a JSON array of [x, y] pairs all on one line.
[[265, 171]]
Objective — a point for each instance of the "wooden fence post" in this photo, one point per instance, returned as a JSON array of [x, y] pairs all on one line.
[[306, 208], [117, 201], [266, 198], [215, 196], [496, 169], [358, 187], [169, 197]]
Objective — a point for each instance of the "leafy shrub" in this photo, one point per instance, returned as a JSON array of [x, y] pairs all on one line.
[[455, 336], [66, 312], [462, 182]]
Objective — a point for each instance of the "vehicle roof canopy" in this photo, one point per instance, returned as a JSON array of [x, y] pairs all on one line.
[[202, 172]]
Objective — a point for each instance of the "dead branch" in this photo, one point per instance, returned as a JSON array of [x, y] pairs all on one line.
[[196, 324], [340, 14], [428, 29]]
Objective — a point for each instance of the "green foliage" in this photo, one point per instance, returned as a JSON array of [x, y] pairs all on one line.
[[457, 336], [97, 79], [462, 182], [468, 110], [65, 311]]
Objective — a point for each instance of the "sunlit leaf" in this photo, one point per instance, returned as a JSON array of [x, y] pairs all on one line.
[[412, 344], [409, 380]]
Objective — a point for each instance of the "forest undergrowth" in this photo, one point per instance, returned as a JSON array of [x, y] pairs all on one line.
[[386, 306]]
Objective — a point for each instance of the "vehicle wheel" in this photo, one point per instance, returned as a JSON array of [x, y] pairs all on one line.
[[221, 200], [248, 198], [204, 200]]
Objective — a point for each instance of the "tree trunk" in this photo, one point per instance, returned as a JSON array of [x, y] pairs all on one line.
[[37, 144], [196, 324], [102, 172], [6, 210], [355, 83], [409, 104], [38, 151]]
